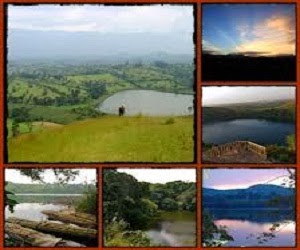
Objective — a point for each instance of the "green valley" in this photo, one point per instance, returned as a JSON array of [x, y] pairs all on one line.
[[53, 113]]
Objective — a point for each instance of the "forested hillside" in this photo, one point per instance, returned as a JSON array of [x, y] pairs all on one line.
[[129, 205], [283, 111], [257, 196]]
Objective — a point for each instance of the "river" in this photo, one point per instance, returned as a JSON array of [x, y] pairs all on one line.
[[149, 102], [258, 131]]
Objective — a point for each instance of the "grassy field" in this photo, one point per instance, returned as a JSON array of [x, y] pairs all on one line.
[[109, 138]]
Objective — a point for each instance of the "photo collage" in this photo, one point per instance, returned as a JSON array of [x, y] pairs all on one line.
[[149, 125]]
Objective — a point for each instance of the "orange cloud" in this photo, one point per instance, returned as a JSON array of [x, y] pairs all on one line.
[[273, 36]]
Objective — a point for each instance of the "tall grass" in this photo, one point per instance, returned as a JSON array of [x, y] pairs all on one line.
[[111, 139]]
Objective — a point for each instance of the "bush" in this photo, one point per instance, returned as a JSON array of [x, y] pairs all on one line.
[[89, 202], [115, 235], [169, 121]]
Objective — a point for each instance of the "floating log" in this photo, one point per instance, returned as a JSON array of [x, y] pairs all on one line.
[[67, 216], [56, 228], [35, 238]]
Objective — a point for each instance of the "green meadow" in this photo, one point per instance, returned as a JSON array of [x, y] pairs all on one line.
[[108, 138]]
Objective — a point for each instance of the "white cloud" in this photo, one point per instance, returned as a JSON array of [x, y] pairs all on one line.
[[161, 175], [99, 18], [226, 95], [85, 175], [273, 36]]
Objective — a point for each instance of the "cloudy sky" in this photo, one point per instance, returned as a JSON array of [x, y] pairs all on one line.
[[263, 29], [227, 95], [85, 176], [104, 19], [227, 178], [161, 175]]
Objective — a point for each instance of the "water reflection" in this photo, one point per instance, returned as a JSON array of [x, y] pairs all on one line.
[[259, 131], [246, 225], [245, 233], [180, 231]]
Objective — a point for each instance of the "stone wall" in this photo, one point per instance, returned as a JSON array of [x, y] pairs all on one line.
[[236, 147]]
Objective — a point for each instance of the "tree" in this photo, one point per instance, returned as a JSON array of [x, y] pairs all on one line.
[[291, 142], [212, 235], [124, 199]]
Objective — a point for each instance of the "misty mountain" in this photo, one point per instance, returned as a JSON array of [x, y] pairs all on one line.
[[256, 196], [25, 44]]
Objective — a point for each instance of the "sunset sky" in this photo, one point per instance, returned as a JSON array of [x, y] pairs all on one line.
[[241, 178], [249, 29]]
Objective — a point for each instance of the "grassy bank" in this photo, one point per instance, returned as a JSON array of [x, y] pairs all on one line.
[[109, 138]]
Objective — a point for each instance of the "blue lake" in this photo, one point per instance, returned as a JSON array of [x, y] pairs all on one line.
[[258, 131]]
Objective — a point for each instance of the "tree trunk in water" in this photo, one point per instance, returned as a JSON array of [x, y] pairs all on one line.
[[36, 239], [56, 228], [80, 219]]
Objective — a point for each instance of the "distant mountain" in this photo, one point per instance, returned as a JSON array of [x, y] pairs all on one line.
[[110, 47], [256, 196]]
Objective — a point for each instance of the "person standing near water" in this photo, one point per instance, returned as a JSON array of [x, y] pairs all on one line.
[[122, 110]]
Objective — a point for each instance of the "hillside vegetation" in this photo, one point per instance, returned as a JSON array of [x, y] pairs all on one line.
[[63, 93], [46, 188], [130, 206], [257, 196], [109, 138], [283, 111]]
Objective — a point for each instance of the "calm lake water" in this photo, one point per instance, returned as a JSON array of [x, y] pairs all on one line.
[[148, 102], [245, 225], [258, 131], [31, 205], [175, 229]]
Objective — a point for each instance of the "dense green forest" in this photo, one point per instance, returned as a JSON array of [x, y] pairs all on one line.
[[129, 206], [283, 111]]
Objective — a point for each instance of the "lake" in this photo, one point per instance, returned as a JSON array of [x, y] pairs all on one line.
[[245, 225], [148, 102], [31, 205], [258, 131], [174, 229]]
